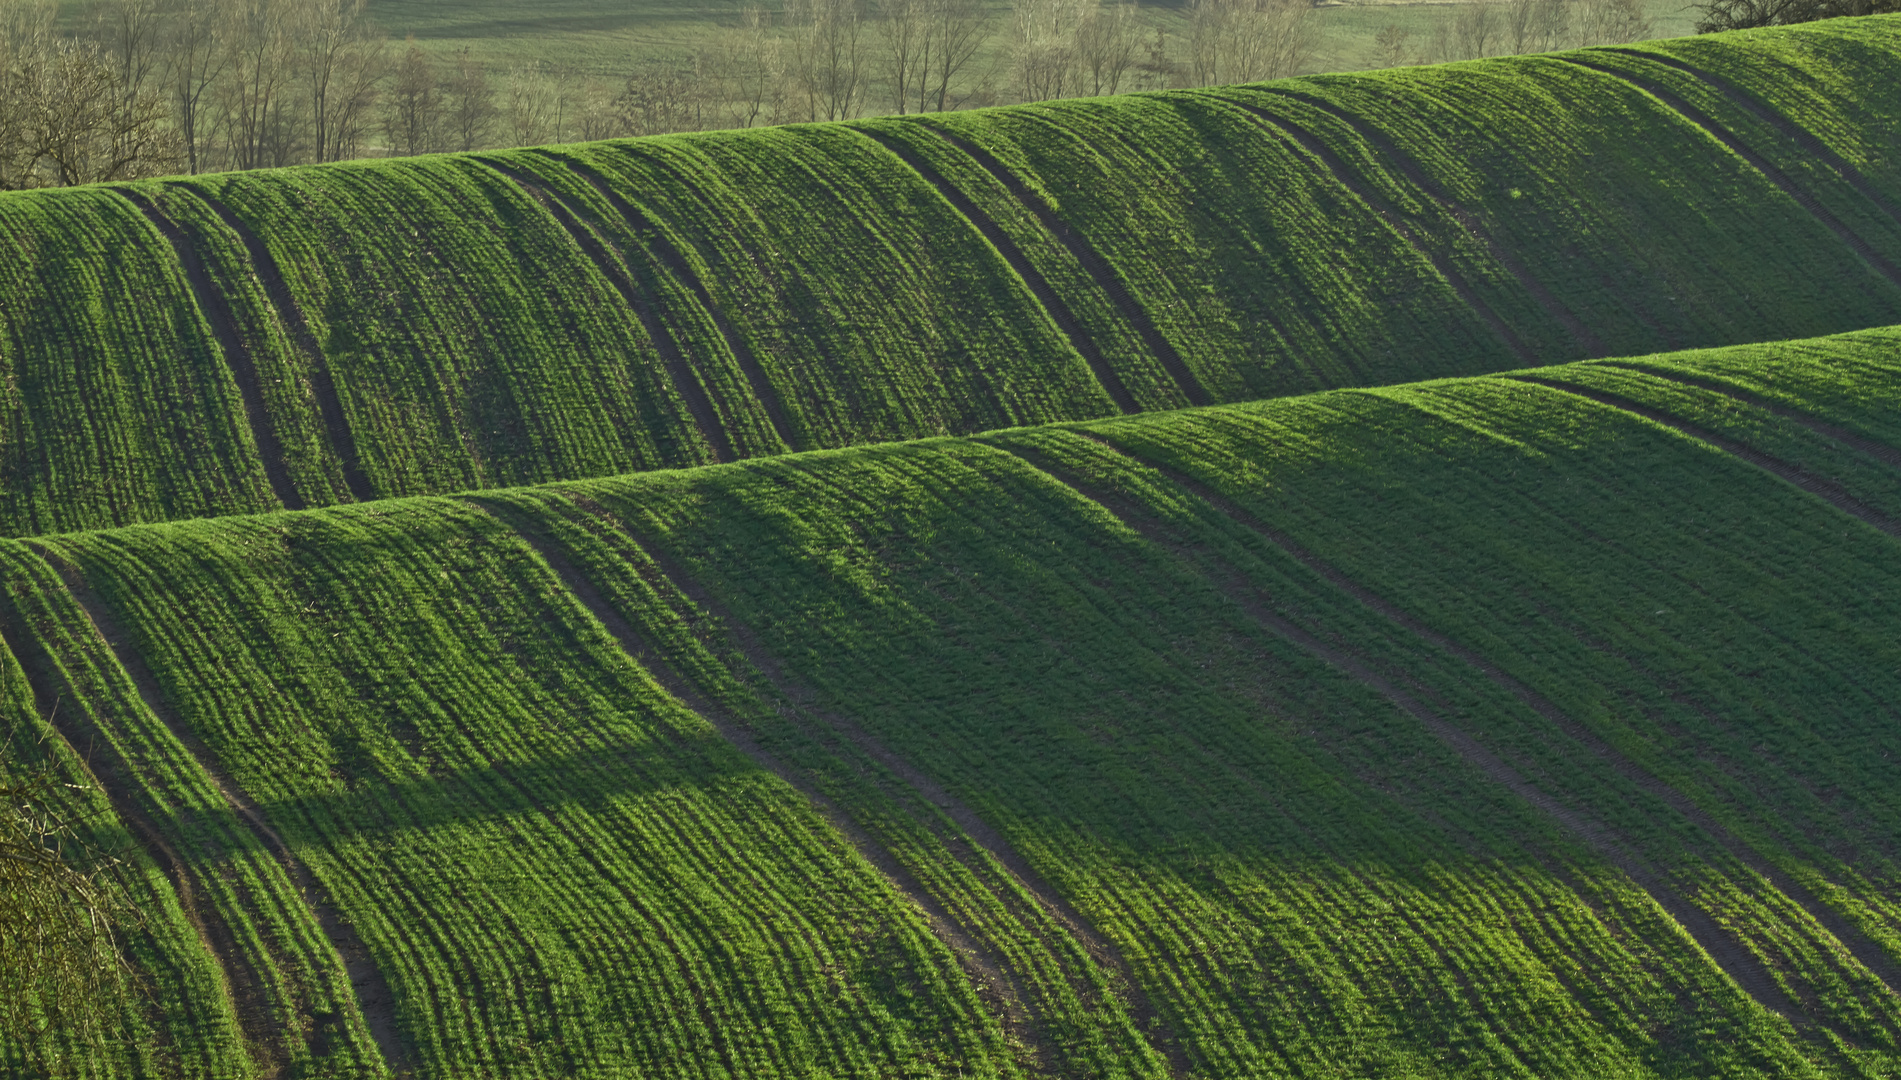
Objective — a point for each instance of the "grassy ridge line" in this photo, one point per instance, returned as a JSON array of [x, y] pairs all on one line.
[[276, 996], [118, 408], [1074, 1014], [1747, 971], [184, 1024], [1722, 415], [1053, 306], [673, 909], [1558, 189]]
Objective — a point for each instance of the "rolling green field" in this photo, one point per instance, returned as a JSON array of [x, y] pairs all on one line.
[[311, 336], [1378, 575]]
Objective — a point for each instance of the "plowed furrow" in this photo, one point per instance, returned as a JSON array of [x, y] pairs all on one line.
[[1059, 312], [237, 356]]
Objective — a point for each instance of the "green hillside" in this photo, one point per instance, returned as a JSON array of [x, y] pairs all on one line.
[[1534, 724], [308, 337]]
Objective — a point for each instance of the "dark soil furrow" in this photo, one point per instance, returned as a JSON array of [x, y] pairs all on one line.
[[1724, 949], [1092, 263], [685, 381], [676, 262], [373, 995], [1800, 135], [249, 1001], [1581, 333], [1299, 139], [1756, 161], [1881, 452], [1059, 312], [336, 423], [237, 357], [1863, 948], [985, 968], [981, 832], [1814, 485]]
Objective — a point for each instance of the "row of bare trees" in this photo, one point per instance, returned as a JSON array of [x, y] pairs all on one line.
[[1484, 28]]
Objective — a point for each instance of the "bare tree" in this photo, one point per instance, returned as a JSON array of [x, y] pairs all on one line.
[[1106, 45], [662, 98], [1236, 41], [534, 107], [1535, 25], [339, 60], [959, 29], [829, 56], [1389, 47], [412, 108], [904, 32], [469, 111], [66, 115], [194, 57], [1478, 30], [750, 69], [1612, 22], [61, 908], [1044, 52], [1745, 14], [255, 99]]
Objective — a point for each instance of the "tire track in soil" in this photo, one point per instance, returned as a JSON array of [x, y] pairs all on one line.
[[336, 424], [998, 847], [244, 990], [1039, 286], [373, 995], [1863, 948], [986, 969], [675, 262], [1729, 954], [1800, 135], [1299, 140], [611, 267], [237, 357], [1781, 180], [1809, 482], [1580, 332], [1092, 263], [1881, 452]]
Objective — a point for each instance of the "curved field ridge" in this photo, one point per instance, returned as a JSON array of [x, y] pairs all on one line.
[[316, 336], [1535, 724]]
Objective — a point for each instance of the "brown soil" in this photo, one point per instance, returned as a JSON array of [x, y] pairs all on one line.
[[237, 356], [685, 381]]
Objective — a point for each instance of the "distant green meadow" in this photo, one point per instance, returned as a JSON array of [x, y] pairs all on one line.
[[1367, 575]]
